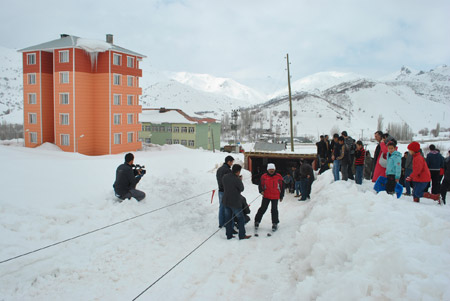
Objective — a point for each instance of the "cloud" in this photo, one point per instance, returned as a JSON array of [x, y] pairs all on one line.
[[248, 39]]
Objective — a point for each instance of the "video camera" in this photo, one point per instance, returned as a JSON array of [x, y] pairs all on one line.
[[139, 168]]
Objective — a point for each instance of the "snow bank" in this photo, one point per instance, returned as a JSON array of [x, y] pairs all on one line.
[[347, 243]]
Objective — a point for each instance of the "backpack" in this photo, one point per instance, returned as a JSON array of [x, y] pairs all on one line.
[[350, 144]]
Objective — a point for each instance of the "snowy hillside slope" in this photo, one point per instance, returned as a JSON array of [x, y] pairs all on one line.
[[173, 94], [346, 243], [420, 100], [11, 85], [219, 85], [317, 82]]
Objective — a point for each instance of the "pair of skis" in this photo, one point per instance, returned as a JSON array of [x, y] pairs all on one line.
[[268, 233]]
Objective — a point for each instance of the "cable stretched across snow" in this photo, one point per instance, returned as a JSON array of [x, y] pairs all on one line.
[[102, 228], [190, 253]]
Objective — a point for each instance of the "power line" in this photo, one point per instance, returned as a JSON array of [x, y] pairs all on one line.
[[189, 254], [102, 228]]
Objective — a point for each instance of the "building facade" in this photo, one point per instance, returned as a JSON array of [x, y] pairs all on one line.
[[173, 126], [82, 95]]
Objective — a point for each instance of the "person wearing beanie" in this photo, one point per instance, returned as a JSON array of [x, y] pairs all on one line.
[[223, 170], [271, 187], [420, 175]]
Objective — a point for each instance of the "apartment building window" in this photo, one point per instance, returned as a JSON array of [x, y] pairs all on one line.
[[117, 59], [32, 98], [31, 58], [176, 129], [65, 139], [33, 137], [169, 129], [130, 100], [130, 61], [117, 99], [184, 129], [64, 98], [168, 141], [162, 129], [64, 56], [184, 142], [191, 129], [64, 119], [155, 129], [117, 118], [64, 77], [130, 137], [148, 140], [117, 138], [147, 128], [117, 79], [31, 78], [130, 81], [176, 141], [130, 118], [32, 118], [191, 143]]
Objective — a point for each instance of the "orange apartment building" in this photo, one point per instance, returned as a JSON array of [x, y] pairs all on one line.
[[82, 95]]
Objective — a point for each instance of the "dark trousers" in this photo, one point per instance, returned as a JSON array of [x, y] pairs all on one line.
[[305, 188], [274, 210], [350, 167], [390, 184], [444, 188], [230, 215], [435, 181]]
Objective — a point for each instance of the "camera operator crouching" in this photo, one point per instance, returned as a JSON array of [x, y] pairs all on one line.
[[127, 176]]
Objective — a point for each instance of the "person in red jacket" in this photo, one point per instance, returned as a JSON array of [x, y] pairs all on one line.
[[421, 174], [271, 187]]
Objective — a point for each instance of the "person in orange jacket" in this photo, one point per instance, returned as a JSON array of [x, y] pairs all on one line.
[[421, 174]]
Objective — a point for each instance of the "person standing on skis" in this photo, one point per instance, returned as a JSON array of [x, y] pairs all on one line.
[[271, 187]]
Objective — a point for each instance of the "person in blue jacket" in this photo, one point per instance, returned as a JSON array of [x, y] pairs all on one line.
[[393, 167]]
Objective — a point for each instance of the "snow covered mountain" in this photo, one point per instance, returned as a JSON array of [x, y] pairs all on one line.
[[11, 86], [170, 93], [419, 99], [220, 86], [317, 82]]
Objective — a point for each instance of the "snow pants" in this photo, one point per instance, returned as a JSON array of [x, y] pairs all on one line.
[[274, 210]]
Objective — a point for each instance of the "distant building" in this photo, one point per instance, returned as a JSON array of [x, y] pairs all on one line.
[[82, 95], [173, 126]]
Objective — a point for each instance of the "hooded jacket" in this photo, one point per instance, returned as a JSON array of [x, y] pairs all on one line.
[[394, 164], [420, 173], [435, 160]]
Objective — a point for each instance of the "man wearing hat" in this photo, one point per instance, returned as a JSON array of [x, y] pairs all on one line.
[[271, 187]]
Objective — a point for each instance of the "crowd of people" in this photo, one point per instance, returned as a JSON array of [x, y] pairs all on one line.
[[412, 170]]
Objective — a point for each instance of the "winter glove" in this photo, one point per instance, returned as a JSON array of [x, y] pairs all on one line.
[[408, 179]]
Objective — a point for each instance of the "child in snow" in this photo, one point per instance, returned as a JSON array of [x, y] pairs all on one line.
[[421, 174], [360, 154], [393, 167]]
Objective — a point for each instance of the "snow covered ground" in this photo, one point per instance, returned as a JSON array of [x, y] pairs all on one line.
[[346, 243]]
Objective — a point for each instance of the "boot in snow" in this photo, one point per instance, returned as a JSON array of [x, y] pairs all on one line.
[[417, 200]]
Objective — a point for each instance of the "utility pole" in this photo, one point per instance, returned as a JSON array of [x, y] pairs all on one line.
[[290, 103], [234, 127]]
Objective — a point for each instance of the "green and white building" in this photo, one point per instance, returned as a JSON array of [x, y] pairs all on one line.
[[173, 126]]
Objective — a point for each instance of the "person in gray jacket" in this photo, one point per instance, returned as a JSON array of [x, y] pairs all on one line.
[[127, 179], [233, 201]]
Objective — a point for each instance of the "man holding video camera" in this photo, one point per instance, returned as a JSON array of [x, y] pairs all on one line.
[[127, 176]]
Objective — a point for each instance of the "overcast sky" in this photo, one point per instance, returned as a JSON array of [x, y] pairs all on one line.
[[247, 40]]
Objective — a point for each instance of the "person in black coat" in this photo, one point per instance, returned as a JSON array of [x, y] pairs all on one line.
[[446, 182], [127, 179], [221, 171], [233, 202], [306, 179]]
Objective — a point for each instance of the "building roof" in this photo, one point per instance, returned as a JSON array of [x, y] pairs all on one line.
[[68, 41], [163, 115]]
